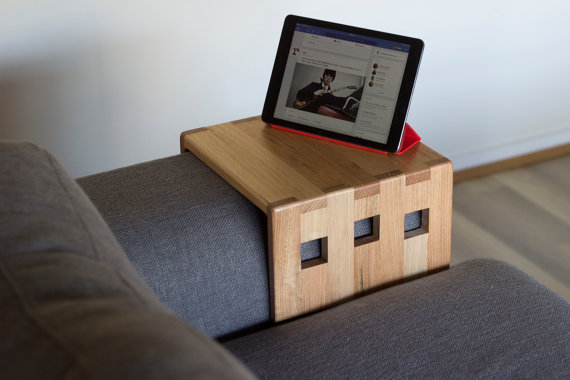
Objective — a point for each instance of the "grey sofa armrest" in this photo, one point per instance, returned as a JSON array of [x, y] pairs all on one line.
[[196, 241], [72, 306], [199, 244], [480, 319]]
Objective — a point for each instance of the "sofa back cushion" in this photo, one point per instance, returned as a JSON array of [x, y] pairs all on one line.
[[72, 305]]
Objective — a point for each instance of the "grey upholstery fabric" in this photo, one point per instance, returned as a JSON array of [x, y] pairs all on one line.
[[196, 241], [71, 305], [480, 319]]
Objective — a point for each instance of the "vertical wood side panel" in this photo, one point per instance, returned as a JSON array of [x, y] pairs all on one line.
[[367, 273], [341, 244], [392, 228], [367, 257], [315, 292], [416, 255], [417, 197], [285, 261], [441, 194], [367, 201], [314, 224]]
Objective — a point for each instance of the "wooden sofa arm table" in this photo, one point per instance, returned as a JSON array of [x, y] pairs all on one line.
[[313, 189]]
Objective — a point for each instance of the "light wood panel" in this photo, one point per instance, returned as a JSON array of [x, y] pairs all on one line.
[[313, 189], [391, 230], [415, 255], [285, 269], [256, 158]]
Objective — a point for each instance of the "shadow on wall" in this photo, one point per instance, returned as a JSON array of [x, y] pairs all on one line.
[[73, 103], [53, 101]]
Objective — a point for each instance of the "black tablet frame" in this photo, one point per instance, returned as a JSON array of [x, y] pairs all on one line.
[[402, 103]]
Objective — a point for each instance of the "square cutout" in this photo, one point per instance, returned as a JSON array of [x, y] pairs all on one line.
[[366, 230], [314, 252], [416, 223]]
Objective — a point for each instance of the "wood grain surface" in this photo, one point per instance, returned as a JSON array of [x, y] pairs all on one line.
[[314, 189]]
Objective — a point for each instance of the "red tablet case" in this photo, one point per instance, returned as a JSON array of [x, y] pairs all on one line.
[[409, 139]]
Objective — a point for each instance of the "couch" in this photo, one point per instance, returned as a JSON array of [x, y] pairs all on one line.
[[159, 271]]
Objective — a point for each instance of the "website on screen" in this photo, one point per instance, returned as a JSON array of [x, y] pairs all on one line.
[[342, 82]]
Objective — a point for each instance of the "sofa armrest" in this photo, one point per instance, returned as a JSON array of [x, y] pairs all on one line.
[[197, 242], [479, 319]]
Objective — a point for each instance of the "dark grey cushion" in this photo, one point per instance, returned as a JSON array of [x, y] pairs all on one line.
[[71, 305], [481, 319], [197, 242]]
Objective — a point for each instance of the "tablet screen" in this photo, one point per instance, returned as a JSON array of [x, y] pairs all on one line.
[[341, 82]]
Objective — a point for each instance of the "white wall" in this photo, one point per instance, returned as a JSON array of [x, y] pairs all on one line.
[[108, 83]]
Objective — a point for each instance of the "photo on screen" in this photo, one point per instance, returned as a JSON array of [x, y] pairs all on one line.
[[337, 95]]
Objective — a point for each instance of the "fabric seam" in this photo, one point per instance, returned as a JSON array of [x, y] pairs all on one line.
[[88, 231], [44, 327]]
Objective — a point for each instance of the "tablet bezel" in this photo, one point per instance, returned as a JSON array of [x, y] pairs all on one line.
[[397, 127]]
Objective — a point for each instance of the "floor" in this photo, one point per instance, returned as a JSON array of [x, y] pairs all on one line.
[[520, 216]]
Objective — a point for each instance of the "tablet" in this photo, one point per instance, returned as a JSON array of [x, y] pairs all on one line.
[[344, 83]]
